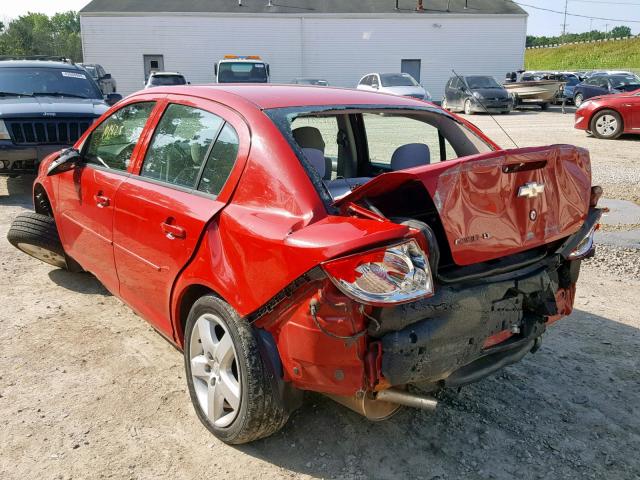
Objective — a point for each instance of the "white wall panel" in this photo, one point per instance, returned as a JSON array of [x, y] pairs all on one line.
[[338, 49]]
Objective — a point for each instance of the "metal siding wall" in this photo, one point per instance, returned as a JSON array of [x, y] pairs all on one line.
[[339, 49]]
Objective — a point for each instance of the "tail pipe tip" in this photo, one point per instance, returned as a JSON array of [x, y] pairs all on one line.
[[407, 399]]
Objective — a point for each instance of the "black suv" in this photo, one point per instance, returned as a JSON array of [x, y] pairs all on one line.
[[476, 93], [45, 106]]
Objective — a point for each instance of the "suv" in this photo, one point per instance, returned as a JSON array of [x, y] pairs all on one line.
[[104, 80], [165, 79], [44, 107], [288, 242]]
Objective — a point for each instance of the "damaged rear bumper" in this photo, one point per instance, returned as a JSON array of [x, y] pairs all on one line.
[[473, 328]]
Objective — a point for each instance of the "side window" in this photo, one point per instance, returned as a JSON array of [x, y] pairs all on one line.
[[112, 143], [365, 80], [100, 71], [180, 145], [455, 83], [220, 162], [406, 131], [374, 81]]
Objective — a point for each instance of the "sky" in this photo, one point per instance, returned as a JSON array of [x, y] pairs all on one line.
[[540, 22]]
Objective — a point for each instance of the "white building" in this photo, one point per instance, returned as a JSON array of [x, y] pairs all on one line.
[[338, 40]]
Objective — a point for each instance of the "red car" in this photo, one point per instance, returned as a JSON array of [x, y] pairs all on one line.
[[370, 247], [610, 116]]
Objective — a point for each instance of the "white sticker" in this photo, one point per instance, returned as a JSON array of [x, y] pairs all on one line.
[[259, 65], [74, 75]]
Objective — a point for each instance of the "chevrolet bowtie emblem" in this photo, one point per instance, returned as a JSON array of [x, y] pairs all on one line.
[[531, 190]]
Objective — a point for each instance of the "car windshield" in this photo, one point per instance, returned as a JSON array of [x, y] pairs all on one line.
[[92, 71], [397, 80], [482, 82], [242, 72], [166, 80], [48, 81], [624, 81]]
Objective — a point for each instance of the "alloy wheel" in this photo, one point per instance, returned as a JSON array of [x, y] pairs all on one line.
[[214, 370], [43, 254], [607, 125]]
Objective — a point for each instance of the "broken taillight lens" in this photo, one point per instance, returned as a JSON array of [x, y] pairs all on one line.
[[385, 276]]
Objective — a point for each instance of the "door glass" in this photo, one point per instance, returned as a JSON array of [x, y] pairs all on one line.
[[221, 161], [406, 131], [112, 143], [180, 145]]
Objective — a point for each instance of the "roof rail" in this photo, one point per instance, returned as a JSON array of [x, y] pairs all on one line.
[[44, 58]]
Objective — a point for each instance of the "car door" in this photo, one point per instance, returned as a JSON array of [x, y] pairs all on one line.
[[182, 183], [86, 194], [633, 107]]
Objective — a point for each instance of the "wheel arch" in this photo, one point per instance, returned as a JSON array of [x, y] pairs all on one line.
[[184, 300], [41, 202]]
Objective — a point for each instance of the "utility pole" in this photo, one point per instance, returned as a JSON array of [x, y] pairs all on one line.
[[564, 24]]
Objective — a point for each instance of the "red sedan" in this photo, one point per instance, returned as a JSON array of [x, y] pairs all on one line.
[[292, 238], [610, 116]]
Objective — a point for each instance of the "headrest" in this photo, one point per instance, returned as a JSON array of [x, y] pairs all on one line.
[[309, 137], [316, 159], [410, 155]]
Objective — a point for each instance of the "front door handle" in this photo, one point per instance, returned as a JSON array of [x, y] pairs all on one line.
[[102, 201], [173, 231]]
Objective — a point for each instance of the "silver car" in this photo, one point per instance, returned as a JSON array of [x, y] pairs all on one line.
[[401, 84]]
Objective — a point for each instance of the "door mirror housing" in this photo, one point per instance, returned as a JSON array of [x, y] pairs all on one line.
[[106, 76], [68, 160], [112, 98]]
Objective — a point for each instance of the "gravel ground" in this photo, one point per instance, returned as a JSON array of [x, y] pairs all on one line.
[[89, 390]]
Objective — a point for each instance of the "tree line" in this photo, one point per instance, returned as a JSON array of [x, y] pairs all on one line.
[[39, 34], [620, 31]]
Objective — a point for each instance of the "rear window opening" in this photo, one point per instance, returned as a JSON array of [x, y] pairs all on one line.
[[346, 149]]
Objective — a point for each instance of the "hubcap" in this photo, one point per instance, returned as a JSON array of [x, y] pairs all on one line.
[[214, 370], [607, 125], [47, 256]]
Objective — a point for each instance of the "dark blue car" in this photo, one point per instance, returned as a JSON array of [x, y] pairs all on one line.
[[45, 106], [604, 85]]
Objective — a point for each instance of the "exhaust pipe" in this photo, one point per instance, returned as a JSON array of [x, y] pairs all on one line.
[[385, 403], [400, 397]]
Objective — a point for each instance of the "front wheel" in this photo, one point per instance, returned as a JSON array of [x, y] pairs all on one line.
[[468, 110], [607, 124], [37, 235], [229, 385], [578, 100]]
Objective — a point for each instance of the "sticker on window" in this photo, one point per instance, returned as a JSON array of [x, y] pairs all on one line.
[[74, 75]]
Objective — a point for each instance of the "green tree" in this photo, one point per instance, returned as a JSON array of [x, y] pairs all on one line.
[[38, 34], [620, 32]]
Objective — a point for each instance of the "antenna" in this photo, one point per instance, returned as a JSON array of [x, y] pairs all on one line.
[[487, 111]]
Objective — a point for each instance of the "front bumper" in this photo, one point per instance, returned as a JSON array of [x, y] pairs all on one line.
[[23, 159], [491, 106]]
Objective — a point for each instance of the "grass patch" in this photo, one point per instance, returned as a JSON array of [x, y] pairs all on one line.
[[611, 55]]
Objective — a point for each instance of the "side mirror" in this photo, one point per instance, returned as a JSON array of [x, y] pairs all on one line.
[[112, 98], [67, 160], [188, 83], [106, 76]]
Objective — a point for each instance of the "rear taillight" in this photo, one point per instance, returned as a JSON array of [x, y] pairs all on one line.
[[385, 276]]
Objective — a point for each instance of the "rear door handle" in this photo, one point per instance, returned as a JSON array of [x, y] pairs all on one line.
[[173, 231], [101, 201]]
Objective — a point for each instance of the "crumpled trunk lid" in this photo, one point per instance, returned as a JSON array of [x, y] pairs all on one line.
[[500, 203]]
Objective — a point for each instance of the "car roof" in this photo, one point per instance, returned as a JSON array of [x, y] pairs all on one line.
[[168, 74], [267, 96], [38, 63]]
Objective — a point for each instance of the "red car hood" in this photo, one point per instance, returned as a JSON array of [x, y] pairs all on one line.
[[483, 204]]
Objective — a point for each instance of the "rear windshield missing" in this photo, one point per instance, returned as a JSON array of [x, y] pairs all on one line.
[[342, 148]]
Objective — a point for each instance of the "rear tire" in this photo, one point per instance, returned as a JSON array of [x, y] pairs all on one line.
[[231, 388], [36, 235], [544, 106], [607, 124]]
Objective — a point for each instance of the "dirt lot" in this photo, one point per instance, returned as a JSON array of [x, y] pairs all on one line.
[[88, 390]]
